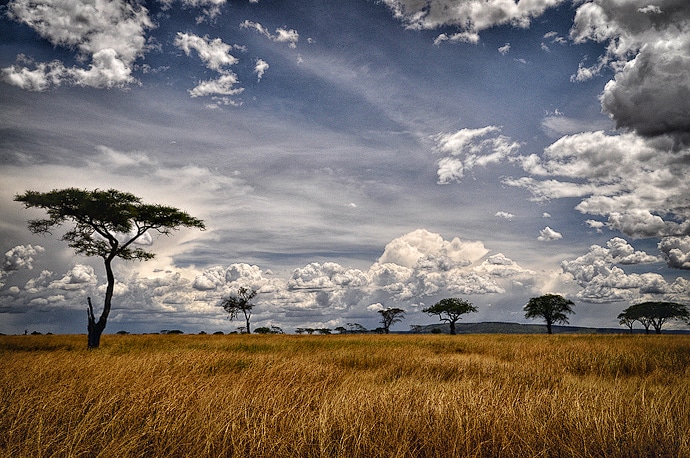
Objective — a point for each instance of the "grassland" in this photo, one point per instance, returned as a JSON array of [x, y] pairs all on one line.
[[346, 396]]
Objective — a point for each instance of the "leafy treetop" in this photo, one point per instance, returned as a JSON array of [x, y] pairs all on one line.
[[99, 216]]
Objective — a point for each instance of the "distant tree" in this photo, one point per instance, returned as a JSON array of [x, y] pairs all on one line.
[[341, 330], [106, 224], [240, 302], [626, 320], [551, 307], [269, 330], [300, 330], [323, 331], [655, 314], [416, 328], [356, 328], [451, 310], [390, 316]]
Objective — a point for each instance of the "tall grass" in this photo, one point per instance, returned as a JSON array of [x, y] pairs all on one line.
[[346, 396]]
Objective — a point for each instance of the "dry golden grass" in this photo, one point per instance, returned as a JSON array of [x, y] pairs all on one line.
[[346, 396]]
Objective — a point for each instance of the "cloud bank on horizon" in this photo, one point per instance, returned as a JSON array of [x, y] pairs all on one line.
[[420, 141]]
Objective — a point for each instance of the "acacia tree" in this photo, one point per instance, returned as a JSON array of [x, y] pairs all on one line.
[[451, 310], [390, 316], [106, 224], [240, 302], [626, 320], [551, 307], [654, 314]]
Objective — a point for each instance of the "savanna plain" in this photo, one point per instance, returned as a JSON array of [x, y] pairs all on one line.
[[346, 396]]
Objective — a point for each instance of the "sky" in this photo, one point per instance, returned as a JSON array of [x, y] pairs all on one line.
[[350, 156]]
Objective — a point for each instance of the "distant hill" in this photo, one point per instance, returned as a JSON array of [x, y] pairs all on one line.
[[497, 327]]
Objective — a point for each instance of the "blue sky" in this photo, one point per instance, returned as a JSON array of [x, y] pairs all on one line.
[[348, 156]]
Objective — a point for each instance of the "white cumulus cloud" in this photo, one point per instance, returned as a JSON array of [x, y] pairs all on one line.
[[109, 33]]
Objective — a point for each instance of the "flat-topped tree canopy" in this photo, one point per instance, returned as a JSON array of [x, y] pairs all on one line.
[[654, 313], [98, 216]]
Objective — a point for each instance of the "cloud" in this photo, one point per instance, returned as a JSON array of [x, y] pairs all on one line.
[[638, 183], [210, 9], [648, 47], [548, 235], [505, 49], [260, 68], [470, 148], [223, 85], [470, 16], [417, 265], [421, 246], [19, 257], [505, 215], [112, 34], [212, 52], [676, 250], [603, 281], [216, 56], [79, 277], [556, 125], [291, 37]]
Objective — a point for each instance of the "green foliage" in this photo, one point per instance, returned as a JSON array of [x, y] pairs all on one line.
[[451, 310], [654, 314], [551, 307], [102, 218]]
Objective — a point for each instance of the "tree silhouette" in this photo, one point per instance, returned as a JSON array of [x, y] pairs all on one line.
[[625, 319], [551, 307], [450, 310], [240, 302], [106, 224], [654, 314], [390, 316]]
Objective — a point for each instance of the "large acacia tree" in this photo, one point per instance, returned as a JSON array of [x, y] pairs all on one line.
[[451, 310], [105, 224], [551, 307]]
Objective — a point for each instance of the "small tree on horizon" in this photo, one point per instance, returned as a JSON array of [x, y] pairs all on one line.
[[553, 308], [240, 302], [107, 224], [450, 310], [625, 319], [390, 316]]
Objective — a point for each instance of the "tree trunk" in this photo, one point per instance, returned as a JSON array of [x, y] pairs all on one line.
[[548, 327], [96, 328], [452, 327]]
